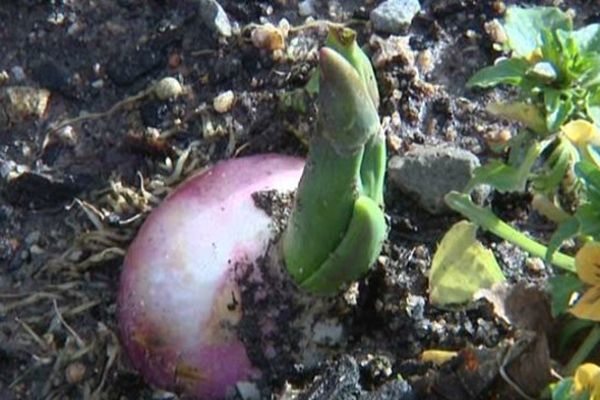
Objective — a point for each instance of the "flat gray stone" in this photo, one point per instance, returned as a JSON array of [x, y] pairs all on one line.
[[393, 16], [428, 173], [215, 17]]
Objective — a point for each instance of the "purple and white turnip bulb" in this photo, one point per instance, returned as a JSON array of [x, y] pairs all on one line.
[[179, 301]]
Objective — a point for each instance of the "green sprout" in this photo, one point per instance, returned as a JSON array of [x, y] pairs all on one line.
[[337, 227]]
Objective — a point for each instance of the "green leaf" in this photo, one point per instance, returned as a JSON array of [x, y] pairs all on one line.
[[570, 331], [565, 230], [524, 26], [504, 177], [461, 266], [563, 390], [588, 38], [527, 114], [509, 71], [543, 71], [590, 175], [588, 217], [558, 109], [555, 168], [562, 288]]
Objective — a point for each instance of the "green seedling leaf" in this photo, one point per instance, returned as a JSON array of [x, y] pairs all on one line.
[[504, 177], [587, 38], [565, 231], [510, 71], [555, 167], [562, 288], [590, 175], [525, 113], [558, 109], [524, 26], [570, 331], [543, 71], [461, 266]]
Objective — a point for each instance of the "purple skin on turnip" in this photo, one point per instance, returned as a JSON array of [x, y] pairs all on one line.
[[179, 300]]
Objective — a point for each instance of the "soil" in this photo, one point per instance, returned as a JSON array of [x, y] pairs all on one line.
[[73, 196]]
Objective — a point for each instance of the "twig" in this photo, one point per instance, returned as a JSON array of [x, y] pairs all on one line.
[[78, 340]]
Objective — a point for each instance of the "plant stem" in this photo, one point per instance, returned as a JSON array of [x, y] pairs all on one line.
[[588, 345], [489, 221]]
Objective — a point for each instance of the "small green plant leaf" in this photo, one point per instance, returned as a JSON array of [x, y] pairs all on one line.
[[570, 332], [461, 266], [562, 288], [587, 38], [558, 109], [510, 71], [524, 26], [504, 177], [565, 231]]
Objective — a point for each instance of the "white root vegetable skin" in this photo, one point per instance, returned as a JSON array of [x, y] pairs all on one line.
[[178, 300]]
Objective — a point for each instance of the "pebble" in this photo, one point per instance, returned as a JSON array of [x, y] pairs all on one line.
[[428, 173], [393, 16], [306, 8], [168, 88], [75, 372], [224, 102], [18, 73], [215, 17], [248, 390]]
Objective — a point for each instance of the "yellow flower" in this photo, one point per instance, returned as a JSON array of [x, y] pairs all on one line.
[[583, 134], [587, 378], [587, 262]]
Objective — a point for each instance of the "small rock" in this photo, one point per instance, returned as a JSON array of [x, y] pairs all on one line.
[[397, 389], [75, 372], [429, 173], [168, 88], [215, 17], [306, 8], [224, 102], [18, 73], [392, 16], [247, 390], [339, 380], [19, 103]]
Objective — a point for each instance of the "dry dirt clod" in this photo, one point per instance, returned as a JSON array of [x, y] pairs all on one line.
[[19, 103]]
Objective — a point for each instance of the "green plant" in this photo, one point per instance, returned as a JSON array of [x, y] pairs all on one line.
[[337, 226], [556, 71]]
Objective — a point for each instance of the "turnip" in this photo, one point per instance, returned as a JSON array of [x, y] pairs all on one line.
[[179, 299]]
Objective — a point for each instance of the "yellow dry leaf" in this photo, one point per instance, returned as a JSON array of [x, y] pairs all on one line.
[[461, 266], [438, 357]]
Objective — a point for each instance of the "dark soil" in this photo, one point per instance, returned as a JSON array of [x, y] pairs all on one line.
[[71, 199]]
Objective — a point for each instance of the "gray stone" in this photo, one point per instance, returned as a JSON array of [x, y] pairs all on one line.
[[306, 8], [215, 17], [429, 172], [393, 16]]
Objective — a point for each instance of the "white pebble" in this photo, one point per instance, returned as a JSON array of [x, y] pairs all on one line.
[[224, 102]]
